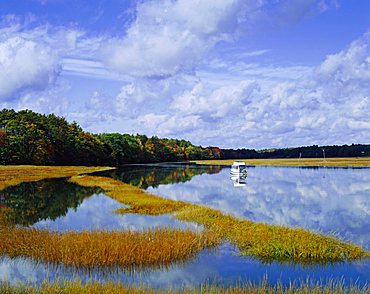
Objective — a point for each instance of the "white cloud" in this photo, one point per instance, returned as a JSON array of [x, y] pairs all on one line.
[[328, 104], [226, 100], [242, 55], [88, 68], [346, 73], [178, 82], [168, 37], [31, 61], [25, 65], [169, 125]]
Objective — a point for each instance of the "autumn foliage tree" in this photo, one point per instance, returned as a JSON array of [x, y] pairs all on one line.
[[32, 138], [2, 137]]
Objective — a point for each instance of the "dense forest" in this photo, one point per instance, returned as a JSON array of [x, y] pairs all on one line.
[[27, 137]]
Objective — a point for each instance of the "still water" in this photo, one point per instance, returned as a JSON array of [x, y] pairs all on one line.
[[327, 200]]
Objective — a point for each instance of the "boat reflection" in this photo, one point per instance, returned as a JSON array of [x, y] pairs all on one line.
[[239, 180]]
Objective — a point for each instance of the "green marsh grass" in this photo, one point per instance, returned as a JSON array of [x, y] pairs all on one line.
[[76, 286], [339, 162]]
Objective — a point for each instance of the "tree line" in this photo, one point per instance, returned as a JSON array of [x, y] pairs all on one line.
[[27, 137], [314, 151]]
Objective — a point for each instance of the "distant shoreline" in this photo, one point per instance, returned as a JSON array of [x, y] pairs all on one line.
[[299, 162]]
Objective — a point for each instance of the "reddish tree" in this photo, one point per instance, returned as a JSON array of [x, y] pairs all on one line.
[[2, 137]]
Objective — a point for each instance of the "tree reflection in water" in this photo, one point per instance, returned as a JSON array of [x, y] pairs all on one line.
[[47, 199], [145, 176], [32, 202]]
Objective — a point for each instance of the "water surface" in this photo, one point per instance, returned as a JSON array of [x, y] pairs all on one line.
[[328, 200]]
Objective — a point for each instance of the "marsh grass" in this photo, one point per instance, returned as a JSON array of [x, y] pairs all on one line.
[[148, 248], [11, 175], [266, 242], [163, 246], [269, 242], [76, 286], [339, 162], [136, 198]]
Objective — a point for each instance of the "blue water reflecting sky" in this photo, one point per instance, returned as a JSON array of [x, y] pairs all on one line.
[[323, 200], [328, 200], [98, 213]]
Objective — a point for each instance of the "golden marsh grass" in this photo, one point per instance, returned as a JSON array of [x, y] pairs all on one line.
[[339, 162], [76, 286], [136, 198], [264, 241], [11, 175], [105, 248], [149, 248], [269, 242]]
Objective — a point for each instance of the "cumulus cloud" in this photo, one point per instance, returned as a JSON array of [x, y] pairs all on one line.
[[97, 108], [169, 125], [176, 82], [327, 104], [223, 101], [31, 59], [25, 64], [168, 37], [347, 72]]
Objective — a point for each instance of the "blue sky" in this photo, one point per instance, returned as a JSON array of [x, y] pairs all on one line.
[[228, 73]]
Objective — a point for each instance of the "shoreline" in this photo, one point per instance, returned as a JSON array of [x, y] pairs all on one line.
[[296, 162]]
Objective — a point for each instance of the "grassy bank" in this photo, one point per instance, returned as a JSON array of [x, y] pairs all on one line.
[[149, 248], [332, 287], [11, 175], [338, 162], [264, 241]]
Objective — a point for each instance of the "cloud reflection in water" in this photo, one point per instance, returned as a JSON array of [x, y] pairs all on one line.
[[328, 200], [98, 213]]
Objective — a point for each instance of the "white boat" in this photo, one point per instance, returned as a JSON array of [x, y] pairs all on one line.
[[239, 168]]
